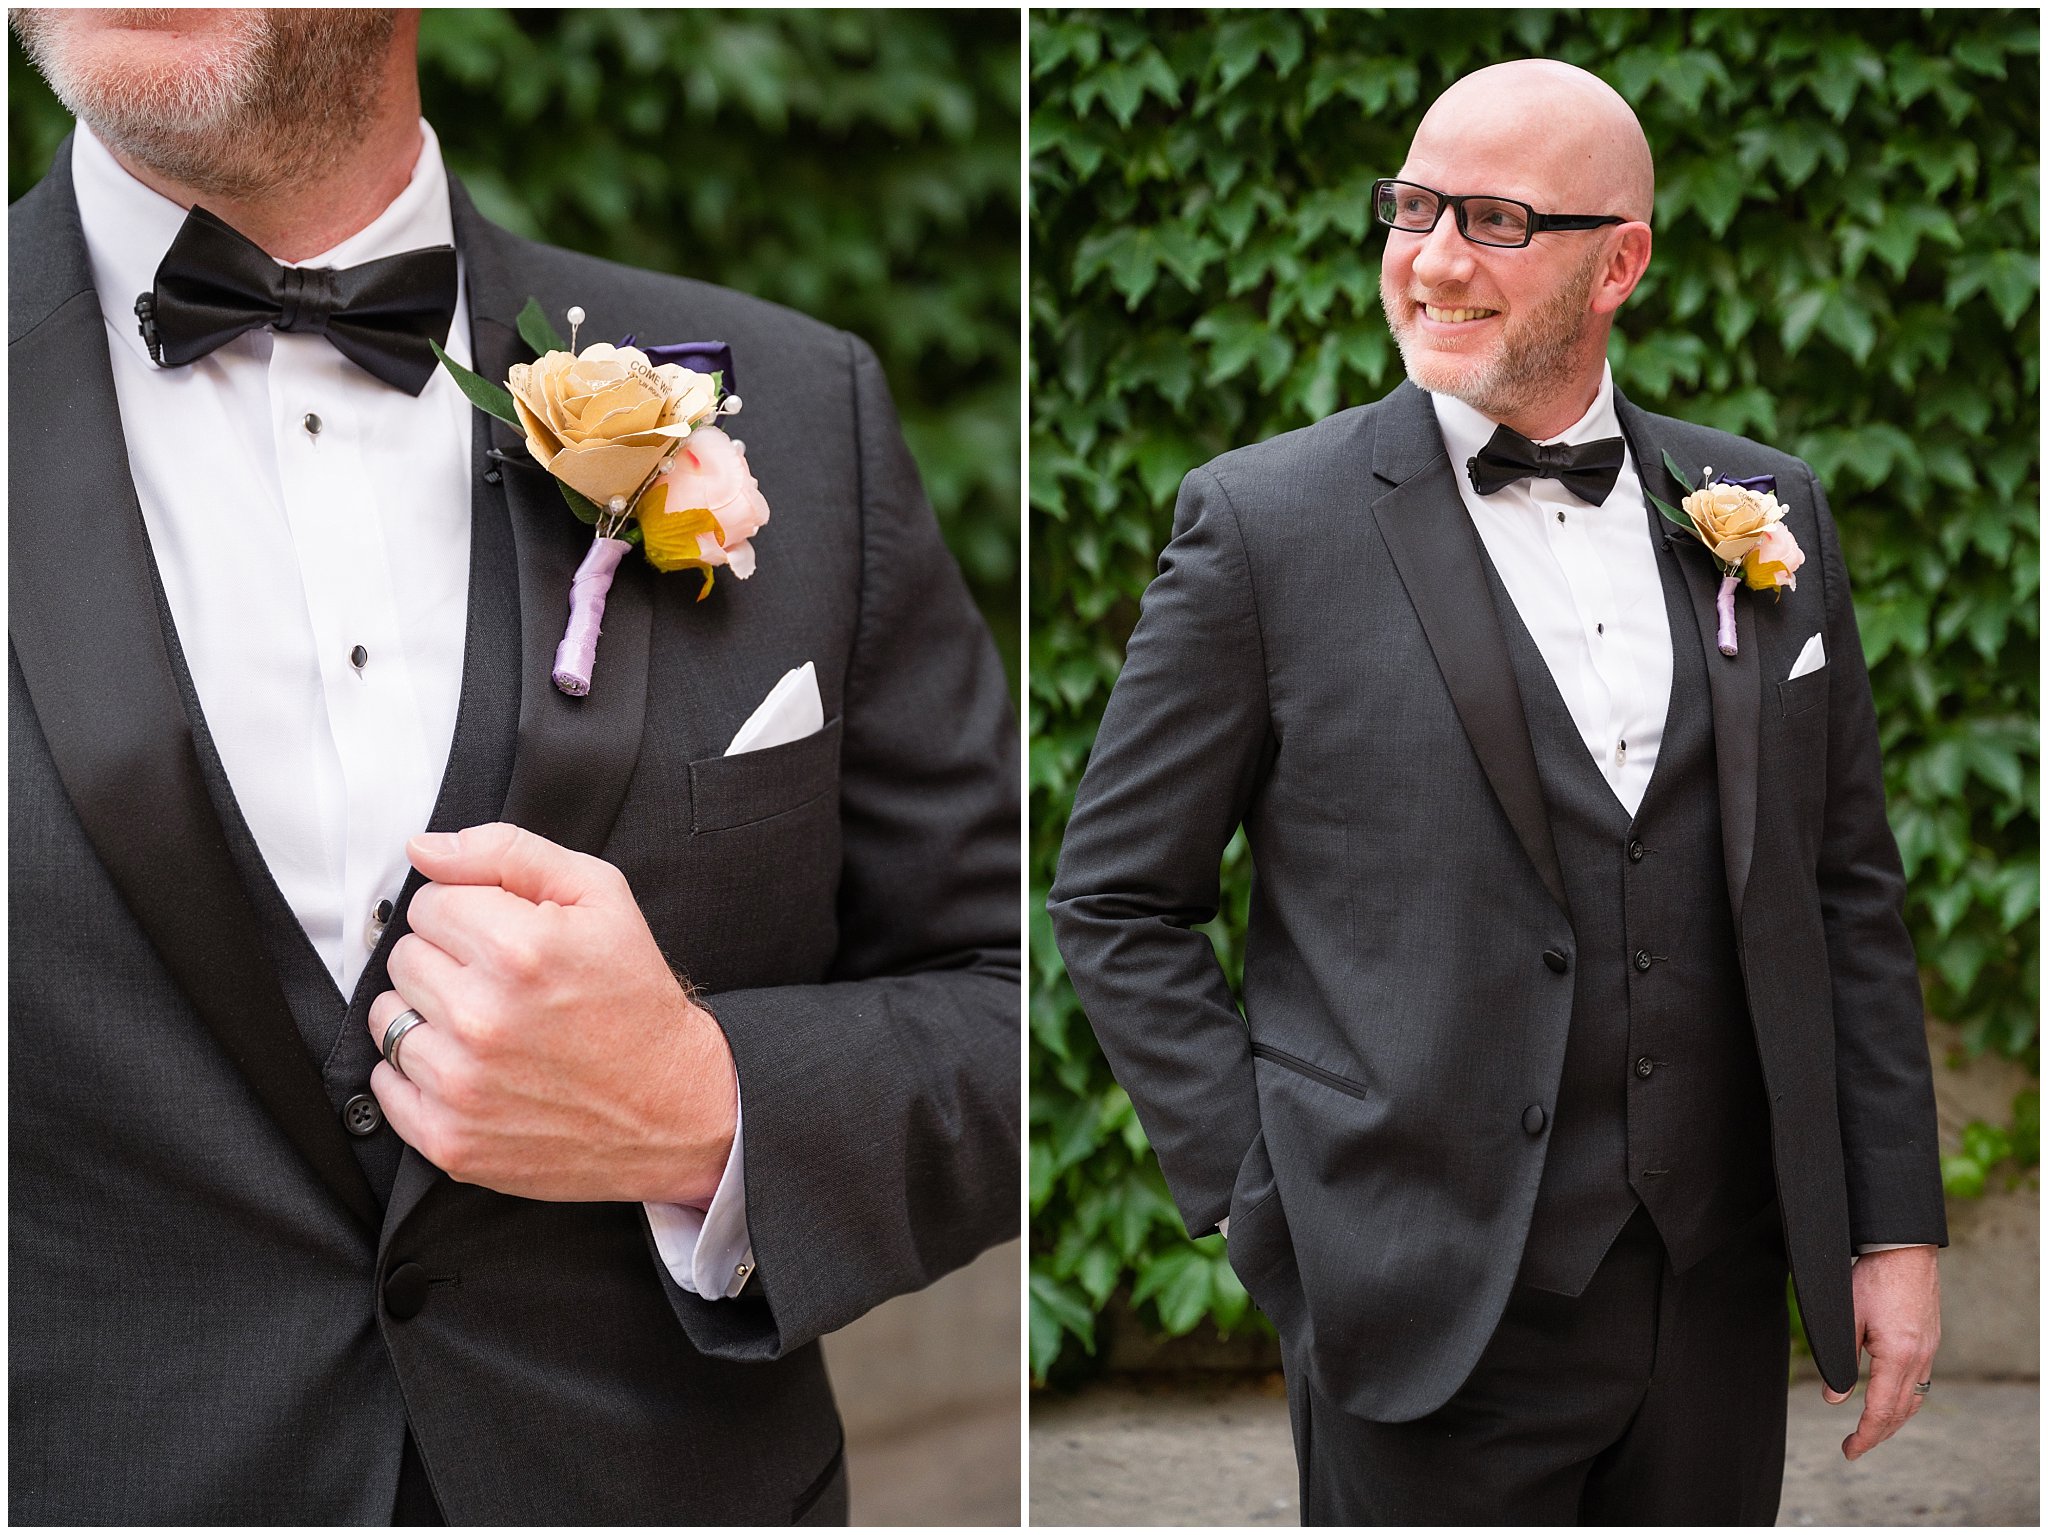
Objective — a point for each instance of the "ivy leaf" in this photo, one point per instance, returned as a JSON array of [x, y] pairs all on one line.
[[1179, 1282], [2010, 278], [1057, 1310]]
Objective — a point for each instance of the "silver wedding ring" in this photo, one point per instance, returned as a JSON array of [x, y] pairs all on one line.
[[1923, 1388], [394, 1036]]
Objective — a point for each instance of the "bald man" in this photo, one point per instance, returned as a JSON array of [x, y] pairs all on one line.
[[1577, 997]]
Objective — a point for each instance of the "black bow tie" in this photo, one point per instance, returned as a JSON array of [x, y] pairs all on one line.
[[215, 283], [1588, 470]]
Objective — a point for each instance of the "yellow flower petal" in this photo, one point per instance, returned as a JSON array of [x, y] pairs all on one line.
[[669, 538]]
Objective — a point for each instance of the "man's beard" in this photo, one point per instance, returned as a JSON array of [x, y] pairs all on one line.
[[1529, 363], [280, 98]]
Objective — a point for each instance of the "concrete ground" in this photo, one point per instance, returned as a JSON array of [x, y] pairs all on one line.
[[1209, 1454]]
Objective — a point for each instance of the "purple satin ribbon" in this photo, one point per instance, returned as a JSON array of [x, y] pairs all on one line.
[[1763, 484], [576, 656], [703, 356]]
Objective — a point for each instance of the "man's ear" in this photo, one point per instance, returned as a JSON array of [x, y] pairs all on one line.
[[1628, 257]]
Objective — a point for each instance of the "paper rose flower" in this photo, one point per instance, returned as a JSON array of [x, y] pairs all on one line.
[[1731, 519], [601, 421], [708, 481], [633, 446], [1742, 522]]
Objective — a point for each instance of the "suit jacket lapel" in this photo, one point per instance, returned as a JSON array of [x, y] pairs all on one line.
[[575, 756], [83, 622], [1732, 681], [1442, 564]]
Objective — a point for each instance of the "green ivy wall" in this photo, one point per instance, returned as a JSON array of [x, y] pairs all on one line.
[[1846, 267], [858, 165]]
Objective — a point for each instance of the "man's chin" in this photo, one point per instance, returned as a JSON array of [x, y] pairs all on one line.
[[1456, 374]]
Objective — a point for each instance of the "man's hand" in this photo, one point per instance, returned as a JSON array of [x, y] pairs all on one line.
[[1898, 1323], [560, 1057]]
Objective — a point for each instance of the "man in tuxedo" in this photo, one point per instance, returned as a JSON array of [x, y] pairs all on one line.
[[1576, 990], [716, 1051]]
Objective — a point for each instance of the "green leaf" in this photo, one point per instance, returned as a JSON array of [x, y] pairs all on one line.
[[1057, 1312], [1802, 314], [1179, 1282], [538, 331], [1986, 1143], [1671, 467], [1673, 515], [1962, 1177], [1230, 1302], [2026, 1127], [587, 511], [480, 391]]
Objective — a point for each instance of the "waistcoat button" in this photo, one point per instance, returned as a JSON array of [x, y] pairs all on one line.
[[1645, 1066], [362, 1115], [1643, 960]]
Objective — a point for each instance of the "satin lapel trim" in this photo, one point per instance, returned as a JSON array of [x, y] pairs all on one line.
[[575, 756], [1733, 682], [84, 625], [469, 792], [1439, 557]]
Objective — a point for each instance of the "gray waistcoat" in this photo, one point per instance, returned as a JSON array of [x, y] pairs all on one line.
[[1661, 1099]]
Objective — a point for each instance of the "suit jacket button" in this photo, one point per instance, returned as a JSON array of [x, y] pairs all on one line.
[[1645, 1066], [1556, 961], [405, 1291], [1532, 1119], [361, 1115], [1643, 960]]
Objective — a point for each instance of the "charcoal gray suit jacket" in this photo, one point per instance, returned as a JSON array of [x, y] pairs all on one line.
[[201, 1328], [1320, 661]]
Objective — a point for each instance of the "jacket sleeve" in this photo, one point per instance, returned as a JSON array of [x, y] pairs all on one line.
[[1884, 1087], [882, 1107], [1177, 758]]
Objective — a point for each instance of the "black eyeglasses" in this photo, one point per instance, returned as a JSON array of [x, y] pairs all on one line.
[[1498, 221]]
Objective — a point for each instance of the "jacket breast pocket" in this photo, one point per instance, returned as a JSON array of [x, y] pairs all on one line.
[[1799, 694], [730, 792], [751, 897]]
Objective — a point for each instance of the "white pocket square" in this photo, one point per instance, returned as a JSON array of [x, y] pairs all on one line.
[[1811, 659], [791, 711]]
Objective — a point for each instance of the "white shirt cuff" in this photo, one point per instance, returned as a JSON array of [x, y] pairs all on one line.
[[709, 1252], [1885, 1247]]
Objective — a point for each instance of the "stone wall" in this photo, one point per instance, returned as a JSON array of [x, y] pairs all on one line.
[[931, 1388]]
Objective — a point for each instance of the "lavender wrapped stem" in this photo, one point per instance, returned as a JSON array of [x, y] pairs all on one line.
[[1724, 606], [576, 656]]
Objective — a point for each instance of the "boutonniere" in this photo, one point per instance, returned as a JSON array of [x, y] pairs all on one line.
[[630, 436], [1742, 524]]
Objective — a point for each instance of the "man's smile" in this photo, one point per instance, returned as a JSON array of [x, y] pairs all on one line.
[[1443, 317]]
